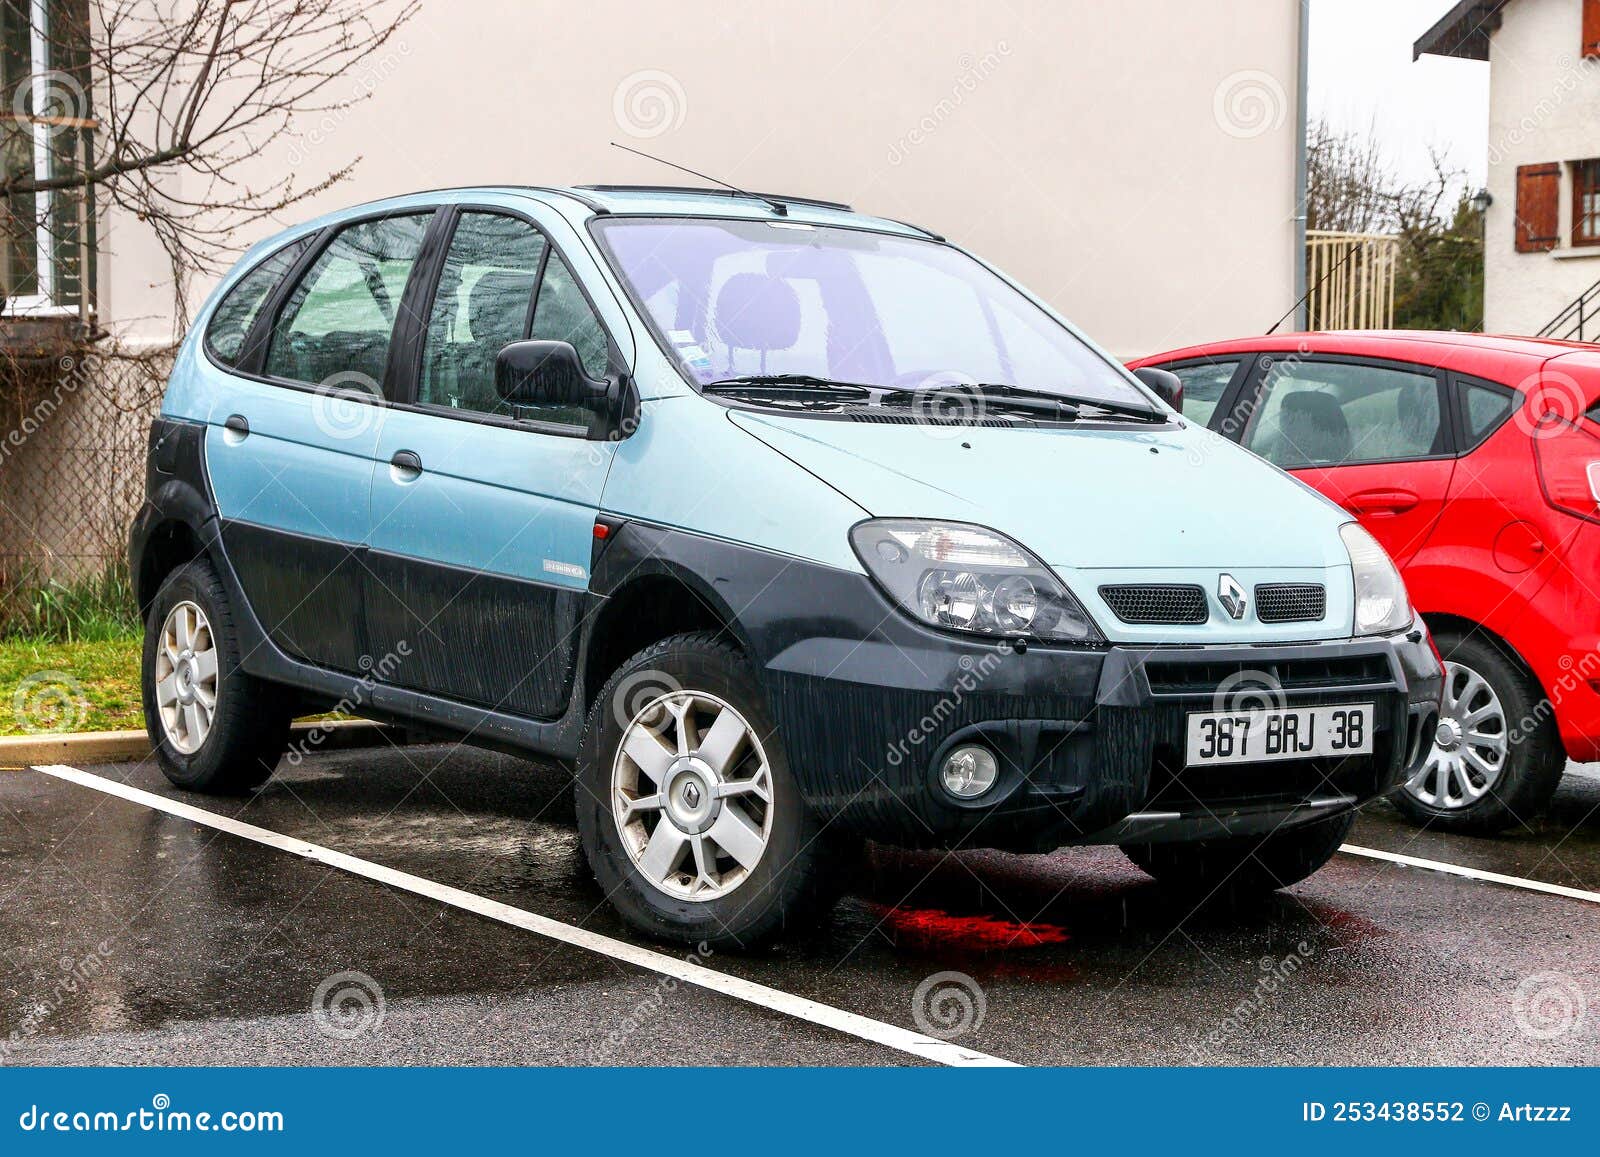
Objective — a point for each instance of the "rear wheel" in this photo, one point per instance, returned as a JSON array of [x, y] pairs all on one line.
[[687, 811], [1244, 865], [213, 728], [1496, 757]]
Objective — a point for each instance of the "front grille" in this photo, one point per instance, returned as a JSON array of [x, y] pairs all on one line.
[[1180, 678], [1291, 602], [1157, 603]]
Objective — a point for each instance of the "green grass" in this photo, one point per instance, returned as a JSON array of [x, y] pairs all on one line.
[[96, 609], [88, 684]]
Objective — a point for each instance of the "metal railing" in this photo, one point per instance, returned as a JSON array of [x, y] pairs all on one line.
[[1578, 320], [1352, 279]]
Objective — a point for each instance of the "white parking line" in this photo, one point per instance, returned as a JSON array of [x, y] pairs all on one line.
[[865, 1028], [1474, 873]]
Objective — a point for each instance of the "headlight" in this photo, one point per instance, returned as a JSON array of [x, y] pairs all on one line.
[[1381, 602], [966, 578]]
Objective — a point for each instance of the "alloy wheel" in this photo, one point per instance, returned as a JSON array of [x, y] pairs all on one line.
[[186, 677], [1470, 746], [691, 792]]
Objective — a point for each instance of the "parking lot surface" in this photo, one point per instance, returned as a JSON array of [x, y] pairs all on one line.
[[134, 936]]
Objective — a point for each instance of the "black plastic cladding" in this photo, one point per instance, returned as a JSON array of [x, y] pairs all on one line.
[[864, 698]]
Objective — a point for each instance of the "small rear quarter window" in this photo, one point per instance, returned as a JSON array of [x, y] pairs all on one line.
[[236, 315]]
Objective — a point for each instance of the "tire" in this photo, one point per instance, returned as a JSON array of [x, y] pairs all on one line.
[[235, 745], [1531, 762], [1243, 865], [733, 901]]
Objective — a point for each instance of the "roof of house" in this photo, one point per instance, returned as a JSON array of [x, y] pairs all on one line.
[[1461, 32]]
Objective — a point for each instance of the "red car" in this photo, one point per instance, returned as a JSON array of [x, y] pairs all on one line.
[[1475, 461]]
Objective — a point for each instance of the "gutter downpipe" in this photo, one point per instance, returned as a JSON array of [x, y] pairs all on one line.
[[1302, 87]]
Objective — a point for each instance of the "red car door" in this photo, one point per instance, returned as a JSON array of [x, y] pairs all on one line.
[[1373, 436]]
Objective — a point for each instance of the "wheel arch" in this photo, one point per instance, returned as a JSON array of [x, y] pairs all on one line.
[[169, 545], [652, 605], [1459, 624]]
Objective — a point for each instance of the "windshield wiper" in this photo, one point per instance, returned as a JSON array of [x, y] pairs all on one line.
[[1038, 401], [794, 384]]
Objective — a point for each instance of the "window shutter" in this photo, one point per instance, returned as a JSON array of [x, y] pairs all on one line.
[[1538, 207], [1591, 27]]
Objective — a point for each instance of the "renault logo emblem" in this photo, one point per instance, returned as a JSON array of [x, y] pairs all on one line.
[[691, 795], [1231, 595]]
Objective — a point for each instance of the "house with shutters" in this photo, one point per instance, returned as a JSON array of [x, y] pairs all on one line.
[[1542, 228]]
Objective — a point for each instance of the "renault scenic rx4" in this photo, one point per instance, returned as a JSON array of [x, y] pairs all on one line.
[[786, 526]]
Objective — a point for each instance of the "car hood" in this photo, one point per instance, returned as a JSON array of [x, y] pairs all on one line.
[[1107, 498]]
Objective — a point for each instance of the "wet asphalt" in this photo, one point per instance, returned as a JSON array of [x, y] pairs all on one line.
[[129, 936]]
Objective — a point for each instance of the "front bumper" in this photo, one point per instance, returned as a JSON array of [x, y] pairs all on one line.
[[1090, 742]]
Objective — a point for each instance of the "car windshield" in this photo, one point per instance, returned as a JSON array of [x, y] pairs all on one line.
[[742, 299]]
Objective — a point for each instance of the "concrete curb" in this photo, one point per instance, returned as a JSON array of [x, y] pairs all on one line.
[[128, 746]]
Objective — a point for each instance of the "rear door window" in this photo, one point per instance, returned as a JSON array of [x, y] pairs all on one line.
[[335, 327]]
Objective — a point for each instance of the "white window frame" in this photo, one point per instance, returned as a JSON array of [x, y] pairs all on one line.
[[43, 303]]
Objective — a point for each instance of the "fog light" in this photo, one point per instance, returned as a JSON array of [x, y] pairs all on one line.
[[969, 771]]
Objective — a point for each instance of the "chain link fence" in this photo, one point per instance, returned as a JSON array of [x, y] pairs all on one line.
[[72, 462]]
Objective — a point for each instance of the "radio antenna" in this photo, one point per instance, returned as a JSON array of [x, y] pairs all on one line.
[[777, 207]]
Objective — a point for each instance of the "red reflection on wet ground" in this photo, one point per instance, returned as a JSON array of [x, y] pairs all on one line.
[[925, 929]]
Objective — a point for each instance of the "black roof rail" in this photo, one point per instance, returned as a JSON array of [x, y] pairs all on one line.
[[701, 191]]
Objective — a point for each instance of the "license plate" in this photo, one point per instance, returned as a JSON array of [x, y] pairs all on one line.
[[1279, 733]]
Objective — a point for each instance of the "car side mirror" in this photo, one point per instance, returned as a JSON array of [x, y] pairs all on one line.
[[550, 373], [1167, 385]]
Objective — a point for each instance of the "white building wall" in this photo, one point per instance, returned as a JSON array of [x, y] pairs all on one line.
[[1544, 106], [1132, 162]]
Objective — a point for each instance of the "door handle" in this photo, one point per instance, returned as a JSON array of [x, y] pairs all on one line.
[[1382, 502], [236, 429], [405, 466]]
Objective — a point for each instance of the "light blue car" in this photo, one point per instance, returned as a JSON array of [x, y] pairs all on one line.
[[790, 527]]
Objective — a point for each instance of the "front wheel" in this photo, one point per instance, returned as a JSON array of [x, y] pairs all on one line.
[[1496, 757], [1244, 865], [687, 811]]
